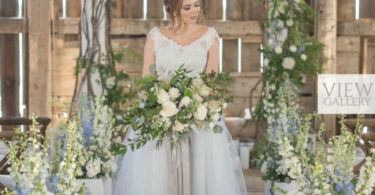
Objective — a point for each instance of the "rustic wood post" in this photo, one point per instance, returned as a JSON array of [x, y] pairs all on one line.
[[39, 39], [325, 32]]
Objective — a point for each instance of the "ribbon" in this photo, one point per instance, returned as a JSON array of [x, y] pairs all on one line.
[[179, 167]]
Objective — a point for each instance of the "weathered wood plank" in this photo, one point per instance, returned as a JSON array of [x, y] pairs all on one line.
[[371, 59], [242, 86], [244, 29], [73, 8], [9, 64], [362, 27], [367, 9], [57, 9], [155, 9], [346, 10], [250, 57], [326, 32], [348, 44], [63, 71], [237, 108], [230, 55], [117, 8], [235, 10], [39, 25], [347, 62], [252, 11], [213, 9], [133, 9], [9, 25]]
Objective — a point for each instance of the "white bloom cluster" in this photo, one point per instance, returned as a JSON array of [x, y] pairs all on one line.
[[366, 180]]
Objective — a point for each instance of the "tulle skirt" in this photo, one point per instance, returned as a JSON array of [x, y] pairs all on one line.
[[214, 167]]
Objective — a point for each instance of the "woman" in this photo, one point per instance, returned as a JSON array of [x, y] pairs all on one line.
[[214, 167]]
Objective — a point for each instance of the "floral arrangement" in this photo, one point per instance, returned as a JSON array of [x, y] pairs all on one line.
[[291, 52], [286, 156], [99, 136], [67, 158], [170, 109], [28, 161], [31, 169]]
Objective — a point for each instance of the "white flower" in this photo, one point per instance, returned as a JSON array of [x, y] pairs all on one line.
[[213, 104], [278, 50], [93, 168], [174, 93], [303, 78], [266, 62], [169, 109], [204, 91], [280, 24], [198, 98], [178, 126], [215, 117], [293, 48], [110, 82], [304, 57], [197, 82], [162, 96], [289, 23], [282, 6], [288, 63], [185, 101], [264, 168], [201, 112], [297, 1], [225, 105]]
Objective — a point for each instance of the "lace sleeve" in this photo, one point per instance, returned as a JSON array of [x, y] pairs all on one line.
[[213, 36], [153, 36]]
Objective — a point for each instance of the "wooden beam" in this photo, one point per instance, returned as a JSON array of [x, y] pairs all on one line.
[[39, 24], [141, 27], [9, 25], [362, 27], [345, 10], [326, 32]]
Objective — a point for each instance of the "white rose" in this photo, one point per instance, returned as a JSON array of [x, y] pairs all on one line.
[[174, 93], [225, 105], [185, 101], [178, 126], [198, 98], [304, 57], [204, 91], [197, 82], [91, 170], [110, 82], [162, 96], [278, 50], [282, 6], [169, 109], [288, 63], [215, 117], [293, 48], [201, 112], [289, 23]]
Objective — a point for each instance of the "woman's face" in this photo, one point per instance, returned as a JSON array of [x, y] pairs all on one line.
[[190, 10]]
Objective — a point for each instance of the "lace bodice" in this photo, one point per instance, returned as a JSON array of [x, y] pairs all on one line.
[[170, 55]]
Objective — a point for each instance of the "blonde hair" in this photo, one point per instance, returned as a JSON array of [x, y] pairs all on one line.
[[173, 8]]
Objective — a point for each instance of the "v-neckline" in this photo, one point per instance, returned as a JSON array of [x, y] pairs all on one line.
[[183, 46]]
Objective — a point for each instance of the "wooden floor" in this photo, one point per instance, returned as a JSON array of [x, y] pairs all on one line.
[[254, 182]]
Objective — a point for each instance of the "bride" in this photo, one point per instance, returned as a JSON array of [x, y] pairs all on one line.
[[213, 162]]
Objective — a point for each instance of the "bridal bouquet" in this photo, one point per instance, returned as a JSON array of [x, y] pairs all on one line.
[[171, 109]]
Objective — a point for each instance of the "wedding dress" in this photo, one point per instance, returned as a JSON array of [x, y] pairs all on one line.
[[214, 163]]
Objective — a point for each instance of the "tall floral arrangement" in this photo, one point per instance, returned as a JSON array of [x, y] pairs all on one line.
[[28, 161], [291, 52], [98, 139]]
